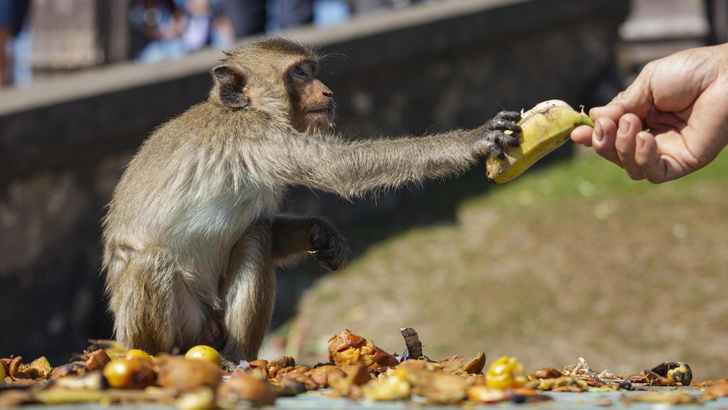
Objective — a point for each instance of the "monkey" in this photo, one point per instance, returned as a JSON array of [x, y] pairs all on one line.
[[193, 231]]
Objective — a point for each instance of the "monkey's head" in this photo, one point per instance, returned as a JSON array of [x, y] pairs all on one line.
[[275, 74]]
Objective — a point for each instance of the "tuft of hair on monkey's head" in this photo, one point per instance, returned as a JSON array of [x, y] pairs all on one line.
[[255, 71]]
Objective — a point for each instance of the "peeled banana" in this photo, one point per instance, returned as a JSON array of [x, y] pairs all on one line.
[[545, 127]]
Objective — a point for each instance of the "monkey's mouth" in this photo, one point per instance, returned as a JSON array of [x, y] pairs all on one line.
[[329, 110], [322, 117]]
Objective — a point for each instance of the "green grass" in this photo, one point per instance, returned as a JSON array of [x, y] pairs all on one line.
[[572, 260]]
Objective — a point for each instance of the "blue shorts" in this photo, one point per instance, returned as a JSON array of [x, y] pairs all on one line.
[[12, 13]]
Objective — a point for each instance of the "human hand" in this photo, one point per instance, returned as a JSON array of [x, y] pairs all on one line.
[[671, 121]]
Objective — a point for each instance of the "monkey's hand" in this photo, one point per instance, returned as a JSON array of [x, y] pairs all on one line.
[[328, 246], [491, 137]]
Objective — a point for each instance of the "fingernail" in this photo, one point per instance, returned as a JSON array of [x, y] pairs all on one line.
[[623, 126], [640, 142], [598, 134]]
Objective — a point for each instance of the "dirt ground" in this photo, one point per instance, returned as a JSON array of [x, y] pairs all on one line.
[[575, 260]]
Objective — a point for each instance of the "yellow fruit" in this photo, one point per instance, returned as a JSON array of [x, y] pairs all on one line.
[[39, 368], [545, 127], [681, 373], [202, 398], [203, 352], [504, 373], [128, 373], [485, 394], [3, 372], [389, 388], [138, 354], [114, 349]]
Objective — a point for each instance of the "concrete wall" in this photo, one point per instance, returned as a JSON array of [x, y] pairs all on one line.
[[431, 67]]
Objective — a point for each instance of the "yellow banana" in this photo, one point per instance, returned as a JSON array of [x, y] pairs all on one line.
[[545, 127]]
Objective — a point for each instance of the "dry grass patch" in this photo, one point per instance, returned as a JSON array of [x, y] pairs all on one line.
[[574, 260]]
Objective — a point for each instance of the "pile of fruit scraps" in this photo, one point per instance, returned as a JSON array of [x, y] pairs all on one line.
[[357, 370]]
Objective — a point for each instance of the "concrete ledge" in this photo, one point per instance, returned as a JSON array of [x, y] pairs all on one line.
[[118, 105]]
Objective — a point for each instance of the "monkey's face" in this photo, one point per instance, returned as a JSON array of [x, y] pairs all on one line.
[[312, 102]]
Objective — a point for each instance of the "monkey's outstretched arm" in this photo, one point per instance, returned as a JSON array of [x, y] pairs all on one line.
[[296, 236], [352, 169]]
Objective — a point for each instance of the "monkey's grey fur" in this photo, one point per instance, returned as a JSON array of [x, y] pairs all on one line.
[[193, 233]]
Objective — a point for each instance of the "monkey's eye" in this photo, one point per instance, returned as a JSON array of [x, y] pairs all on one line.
[[300, 71]]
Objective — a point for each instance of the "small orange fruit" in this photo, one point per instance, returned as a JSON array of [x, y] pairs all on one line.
[[204, 352]]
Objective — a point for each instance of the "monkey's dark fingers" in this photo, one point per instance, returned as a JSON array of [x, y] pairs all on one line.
[[502, 124], [506, 140], [496, 142], [512, 116], [329, 247], [335, 256], [333, 259], [497, 151]]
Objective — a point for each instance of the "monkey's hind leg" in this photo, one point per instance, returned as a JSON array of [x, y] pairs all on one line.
[[154, 309], [249, 291]]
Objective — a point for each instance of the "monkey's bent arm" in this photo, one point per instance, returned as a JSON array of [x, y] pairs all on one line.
[[297, 236], [352, 169], [291, 237]]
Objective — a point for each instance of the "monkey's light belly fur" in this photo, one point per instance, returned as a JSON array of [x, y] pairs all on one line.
[[545, 127]]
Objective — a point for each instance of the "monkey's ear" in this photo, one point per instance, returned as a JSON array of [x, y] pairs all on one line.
[[231, 86]]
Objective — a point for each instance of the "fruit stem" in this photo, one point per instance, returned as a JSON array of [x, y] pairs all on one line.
[[585, 120]]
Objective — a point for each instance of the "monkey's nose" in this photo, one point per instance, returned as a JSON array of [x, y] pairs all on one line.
[[327, 92]]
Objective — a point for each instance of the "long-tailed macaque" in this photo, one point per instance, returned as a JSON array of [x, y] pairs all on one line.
[[193, 232]]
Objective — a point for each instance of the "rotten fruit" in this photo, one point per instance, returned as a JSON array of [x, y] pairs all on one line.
[[359, 370], [680, 374]]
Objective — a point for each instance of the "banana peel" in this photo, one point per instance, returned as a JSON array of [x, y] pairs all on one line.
[[545, 127]]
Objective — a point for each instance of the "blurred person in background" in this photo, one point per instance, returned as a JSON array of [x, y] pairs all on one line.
[[12, 17], [207, 24], [335, 12], [250, 17], [157, 27], [168, 29]]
